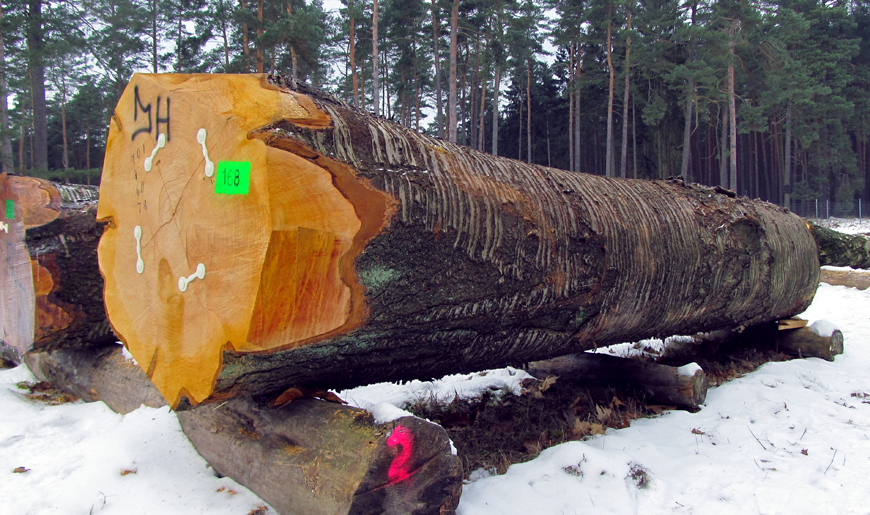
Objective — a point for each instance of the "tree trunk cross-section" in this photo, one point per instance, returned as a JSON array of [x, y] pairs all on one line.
[[364, 252]]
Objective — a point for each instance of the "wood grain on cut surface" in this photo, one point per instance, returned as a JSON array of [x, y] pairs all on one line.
[[271, 255]]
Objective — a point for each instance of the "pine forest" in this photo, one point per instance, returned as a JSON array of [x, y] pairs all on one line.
[[770, 99]]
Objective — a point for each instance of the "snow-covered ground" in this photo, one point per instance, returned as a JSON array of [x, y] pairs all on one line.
[[792, 437]]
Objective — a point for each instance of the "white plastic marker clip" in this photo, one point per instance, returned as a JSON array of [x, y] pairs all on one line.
[[184, 281], [140, 265], [4, 227], [209, 165], [161, 142]]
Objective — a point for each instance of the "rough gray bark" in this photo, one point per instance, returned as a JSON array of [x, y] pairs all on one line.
[[488, 262], [686, 388], [312, 457]]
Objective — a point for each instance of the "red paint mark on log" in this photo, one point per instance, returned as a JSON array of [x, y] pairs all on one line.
[[400, 468]]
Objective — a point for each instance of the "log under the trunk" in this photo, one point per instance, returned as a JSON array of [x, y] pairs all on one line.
[[333, 248], [315, 457]]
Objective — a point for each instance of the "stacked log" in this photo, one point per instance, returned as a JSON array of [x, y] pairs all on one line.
[[52, 287], [269, 237]]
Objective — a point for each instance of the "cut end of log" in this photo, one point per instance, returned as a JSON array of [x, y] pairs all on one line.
[[217, 240]]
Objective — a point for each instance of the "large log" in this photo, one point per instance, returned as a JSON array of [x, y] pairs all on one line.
[[313, 457], [333, 248], [859, 279], [52, 287]]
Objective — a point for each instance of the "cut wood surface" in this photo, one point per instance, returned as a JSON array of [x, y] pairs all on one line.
[[96, 373], [17, 296], [55, 299], [684, 387], [332, 248], [852, 278], [313, 457]]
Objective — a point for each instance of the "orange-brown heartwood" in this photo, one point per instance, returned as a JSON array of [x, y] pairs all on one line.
[[263, 235]]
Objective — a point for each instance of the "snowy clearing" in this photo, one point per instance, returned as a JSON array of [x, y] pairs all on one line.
[[791, 437]]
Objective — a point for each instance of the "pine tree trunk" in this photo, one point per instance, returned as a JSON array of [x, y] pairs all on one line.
[[573, 83], [353, 59], [36, 48], [732, 107], [623, 164], [786, 175], [608, 161], [375, 68], [496, 86], [528, 112], [439, 121], [577, 152], [451, 99], [245, 46], [363, 252]]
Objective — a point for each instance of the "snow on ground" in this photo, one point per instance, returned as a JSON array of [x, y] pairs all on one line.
[[791, 437]]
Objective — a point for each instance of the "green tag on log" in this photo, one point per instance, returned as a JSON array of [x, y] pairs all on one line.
[[233, 177], [10, 209]]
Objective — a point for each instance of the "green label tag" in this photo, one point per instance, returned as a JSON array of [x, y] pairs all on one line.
[[10, 208], [233, 177]]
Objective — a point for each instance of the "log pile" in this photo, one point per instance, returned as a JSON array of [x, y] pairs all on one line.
[[268, 237]]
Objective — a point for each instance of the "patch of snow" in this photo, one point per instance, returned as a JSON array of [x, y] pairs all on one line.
[[126, 354], [689, 370], [385, 412], [823, 328]]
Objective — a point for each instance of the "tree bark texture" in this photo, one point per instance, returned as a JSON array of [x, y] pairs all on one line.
[[97, 373], [366, 252], [838, 249], [685, 387], [313, 457], [53, 290]]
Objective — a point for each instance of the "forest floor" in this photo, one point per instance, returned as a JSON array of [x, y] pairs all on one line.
[[774, 436]]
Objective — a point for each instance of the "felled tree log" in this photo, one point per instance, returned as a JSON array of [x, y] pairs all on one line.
[[53, 290], [16, 284], [314, 457], [684, 387], [332, 248], [96, 373], [838, 249], [850, 278]]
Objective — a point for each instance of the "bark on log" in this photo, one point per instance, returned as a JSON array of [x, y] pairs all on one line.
[[838, 249], [314, 457], [684, 387], [807, 342], [96, 373], [52, 287], [361, 251], [850, 278]]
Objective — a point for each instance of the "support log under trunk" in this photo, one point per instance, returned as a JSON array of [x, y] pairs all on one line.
[[52, 290], [685, 387], [315, 457], [356, 251]]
